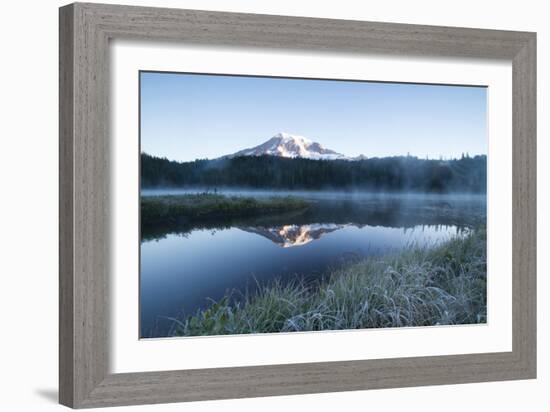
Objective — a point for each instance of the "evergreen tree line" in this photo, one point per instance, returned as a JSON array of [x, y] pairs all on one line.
[[399, 173]]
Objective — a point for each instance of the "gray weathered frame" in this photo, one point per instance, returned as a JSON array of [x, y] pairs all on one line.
[[85, 31]]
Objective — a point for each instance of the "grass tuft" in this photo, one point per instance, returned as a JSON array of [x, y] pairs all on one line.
[[420, 286]]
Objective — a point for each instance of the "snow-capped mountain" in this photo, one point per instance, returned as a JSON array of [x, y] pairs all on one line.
[[294, 235], [287, 145]]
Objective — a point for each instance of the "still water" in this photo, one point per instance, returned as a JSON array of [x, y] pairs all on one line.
[[184, 268]]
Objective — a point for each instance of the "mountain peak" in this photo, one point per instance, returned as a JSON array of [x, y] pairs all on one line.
[[288, 145], [294, 235], [291, 137]]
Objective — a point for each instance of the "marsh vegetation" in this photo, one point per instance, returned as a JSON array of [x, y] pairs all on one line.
[[251, 262], [418, 286], [374, 218], [206, 206]]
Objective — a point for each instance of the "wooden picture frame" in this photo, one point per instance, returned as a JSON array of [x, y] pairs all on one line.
[[85, 31]]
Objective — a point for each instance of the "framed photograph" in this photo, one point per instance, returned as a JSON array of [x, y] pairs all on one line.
[[257, 205]]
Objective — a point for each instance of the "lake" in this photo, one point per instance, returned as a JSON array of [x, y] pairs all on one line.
[[185, 267]]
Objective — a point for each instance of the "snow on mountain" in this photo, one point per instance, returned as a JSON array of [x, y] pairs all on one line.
[[294, 235], [287, 145]]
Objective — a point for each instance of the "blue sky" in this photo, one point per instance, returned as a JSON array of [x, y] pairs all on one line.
[[185, 116]]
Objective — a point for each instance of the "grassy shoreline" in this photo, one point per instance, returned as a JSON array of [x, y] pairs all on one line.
[[208, 206], [420, 286]]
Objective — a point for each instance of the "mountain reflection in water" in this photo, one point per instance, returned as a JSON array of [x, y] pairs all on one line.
[[326, 215], [185, 266], [294, 235]]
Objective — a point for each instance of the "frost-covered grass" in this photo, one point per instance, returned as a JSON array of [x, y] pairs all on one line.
[[208, 206], [420, 286]]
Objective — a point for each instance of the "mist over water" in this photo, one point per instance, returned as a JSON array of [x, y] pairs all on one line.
[[186, 266], [216, 222], [313, 194]]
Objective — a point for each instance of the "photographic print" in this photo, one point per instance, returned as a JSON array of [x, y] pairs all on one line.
[[272, 205]]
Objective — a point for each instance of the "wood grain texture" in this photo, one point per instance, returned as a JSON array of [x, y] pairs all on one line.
[[66, 228], [85, 31], [524, 225]]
